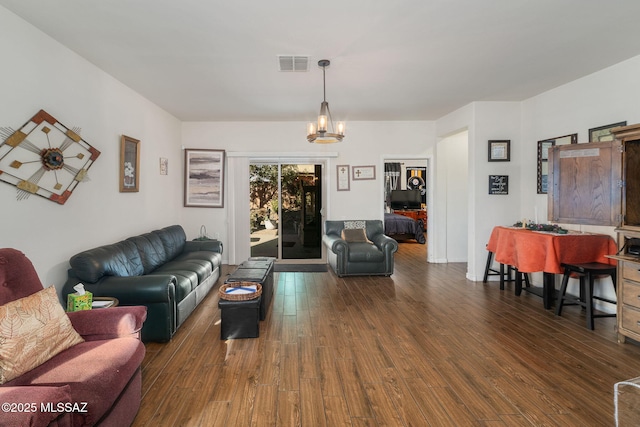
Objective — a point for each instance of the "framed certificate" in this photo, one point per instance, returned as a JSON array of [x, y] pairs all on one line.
[[500, 151], [343, 177], [364, 172]]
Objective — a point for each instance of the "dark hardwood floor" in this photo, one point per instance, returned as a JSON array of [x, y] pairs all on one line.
[[425, 347]]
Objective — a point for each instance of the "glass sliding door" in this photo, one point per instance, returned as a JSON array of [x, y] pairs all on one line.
[[286, 210], [264, 201], [301, 212]]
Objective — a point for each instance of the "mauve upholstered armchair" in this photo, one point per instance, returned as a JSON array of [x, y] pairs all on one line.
[[94, 382]]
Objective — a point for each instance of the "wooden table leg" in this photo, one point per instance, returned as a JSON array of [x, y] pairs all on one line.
[[548, 289], [518, 284]]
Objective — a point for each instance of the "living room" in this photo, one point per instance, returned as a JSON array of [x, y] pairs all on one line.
[[77, 93], [46, 74]]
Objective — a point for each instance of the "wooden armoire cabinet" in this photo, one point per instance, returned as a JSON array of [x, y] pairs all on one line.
[[599, 184], [585, 183], [629, 235]]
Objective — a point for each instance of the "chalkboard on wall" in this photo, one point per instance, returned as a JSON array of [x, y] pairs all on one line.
[[498, 184]]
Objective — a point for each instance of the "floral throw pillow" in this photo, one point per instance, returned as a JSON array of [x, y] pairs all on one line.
[[33, 329]]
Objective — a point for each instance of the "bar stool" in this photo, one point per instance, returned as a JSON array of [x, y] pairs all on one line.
[[489, 270], [587, 274], [504, 276]]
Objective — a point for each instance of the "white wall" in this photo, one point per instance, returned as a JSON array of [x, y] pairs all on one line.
[[363, 145], [494, 121], [454, 185], [608, 96], [605, 97], [483, 121], [39, 73]]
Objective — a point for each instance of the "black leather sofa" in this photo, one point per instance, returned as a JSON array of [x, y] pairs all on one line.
[[357, 255], [160, 270]]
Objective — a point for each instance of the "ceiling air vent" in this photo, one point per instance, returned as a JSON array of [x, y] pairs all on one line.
[[293, 63]]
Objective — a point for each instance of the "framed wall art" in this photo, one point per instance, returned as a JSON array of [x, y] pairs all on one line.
[[499, 184], [204, 178], [129, 164], [364, 172], [343, 177], [45, 158], [603, 133], [543, 158], [499, 150], [164, 166]]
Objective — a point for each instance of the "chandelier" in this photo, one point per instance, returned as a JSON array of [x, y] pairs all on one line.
[[319, 133]]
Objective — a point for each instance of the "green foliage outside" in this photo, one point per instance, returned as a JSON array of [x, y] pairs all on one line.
[[263, 187]]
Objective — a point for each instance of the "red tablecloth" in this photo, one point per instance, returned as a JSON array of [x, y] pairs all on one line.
[[532, 251]]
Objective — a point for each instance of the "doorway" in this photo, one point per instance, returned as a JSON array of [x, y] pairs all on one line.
[[407, 191], [285, 202]]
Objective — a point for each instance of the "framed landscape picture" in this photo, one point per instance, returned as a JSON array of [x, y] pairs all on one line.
[[204, 178]]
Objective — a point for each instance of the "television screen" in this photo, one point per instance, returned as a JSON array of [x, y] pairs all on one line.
[[406, 199]]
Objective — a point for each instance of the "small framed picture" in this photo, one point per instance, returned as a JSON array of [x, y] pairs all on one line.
[[361, 173], [164, 166], [129, 164], [603, 133], [499, 150], [499, 184], [343, 177]]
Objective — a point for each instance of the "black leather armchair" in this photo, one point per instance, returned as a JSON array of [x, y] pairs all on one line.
[[351, 258]]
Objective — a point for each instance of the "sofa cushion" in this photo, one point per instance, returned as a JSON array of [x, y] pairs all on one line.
[[151, 250], [33, 329], [202, 268], [365, 252], [96, 371], [214, 258], [120, 259], [173, 238]]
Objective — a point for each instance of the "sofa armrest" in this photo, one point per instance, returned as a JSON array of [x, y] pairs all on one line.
[[203, 245], [336, 244], [21, 405], [137, 290], [385, 243], [109, 323]]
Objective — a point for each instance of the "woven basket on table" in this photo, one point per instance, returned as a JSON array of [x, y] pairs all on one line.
[[239, 297]]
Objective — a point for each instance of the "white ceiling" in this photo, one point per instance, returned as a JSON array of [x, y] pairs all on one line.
[[216, 60]]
